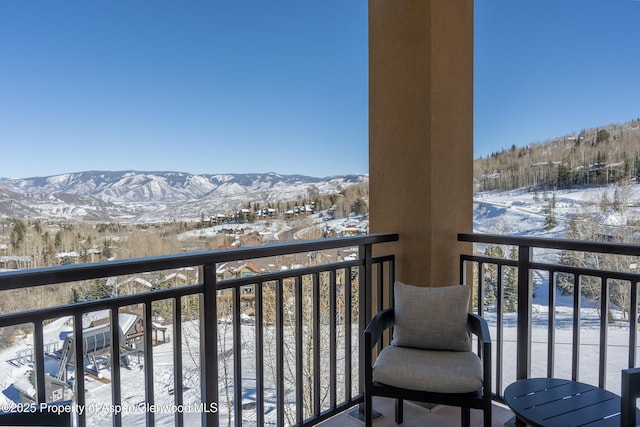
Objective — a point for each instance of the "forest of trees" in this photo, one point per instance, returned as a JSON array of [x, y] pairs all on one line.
[[593, 157], [606, 157]]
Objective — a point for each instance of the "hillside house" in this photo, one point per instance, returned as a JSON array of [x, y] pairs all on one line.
[[96, 337], [56, 390], [236, 270], [8, 262], [233, 271]]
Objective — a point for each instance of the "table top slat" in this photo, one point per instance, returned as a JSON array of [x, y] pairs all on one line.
[[601, 411], [552, 402], [542, 396]]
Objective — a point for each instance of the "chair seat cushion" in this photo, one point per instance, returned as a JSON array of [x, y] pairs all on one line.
[[429, 370]]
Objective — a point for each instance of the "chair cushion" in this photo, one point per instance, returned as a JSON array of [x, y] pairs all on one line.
[[431, 318], [429, 370]]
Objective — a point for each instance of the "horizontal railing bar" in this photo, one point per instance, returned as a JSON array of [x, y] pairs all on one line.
[[95, 305], [70, 273], [581, 271], [546, 243], [286, 274], [489, 260], [557, 268], [383, 259], [45, 313]]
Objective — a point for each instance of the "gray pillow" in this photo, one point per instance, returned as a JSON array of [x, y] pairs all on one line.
[[431, 318]]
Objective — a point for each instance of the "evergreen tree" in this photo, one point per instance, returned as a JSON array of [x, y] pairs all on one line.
[[604, 202], [57, 241], [106, 249], [616, 204], [18, 232], [602, 136], [490, 282], [564, 176], [359, 207], [550, 221], [510, 284], [97, 290]]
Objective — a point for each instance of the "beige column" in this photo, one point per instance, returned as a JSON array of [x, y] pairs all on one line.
[[421, 132]]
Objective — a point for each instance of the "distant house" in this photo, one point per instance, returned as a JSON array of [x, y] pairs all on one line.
[[331, 213], [15, 262], [96, 336], [55, 389], [237, 270], [66, 258], [94, 254]]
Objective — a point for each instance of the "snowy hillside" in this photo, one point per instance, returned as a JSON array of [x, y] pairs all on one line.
[[517, 212]]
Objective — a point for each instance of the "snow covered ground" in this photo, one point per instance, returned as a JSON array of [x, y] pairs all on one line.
[[272, 229], [523, 213], [514, 212]]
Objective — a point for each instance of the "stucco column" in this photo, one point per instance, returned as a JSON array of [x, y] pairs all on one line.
[[421, 132]]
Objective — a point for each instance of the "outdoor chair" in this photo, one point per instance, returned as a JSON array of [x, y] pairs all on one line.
[[630, 394], [430, 358]]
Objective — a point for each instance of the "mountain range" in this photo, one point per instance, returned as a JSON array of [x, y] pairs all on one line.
[[135, 196]]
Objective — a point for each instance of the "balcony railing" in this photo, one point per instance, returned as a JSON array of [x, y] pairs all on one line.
[[583, 324], [277, 347], [294, 360]]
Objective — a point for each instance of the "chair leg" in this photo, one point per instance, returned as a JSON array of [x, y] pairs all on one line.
[[399, 411], [487, 416], [368, 410], [465, 414]]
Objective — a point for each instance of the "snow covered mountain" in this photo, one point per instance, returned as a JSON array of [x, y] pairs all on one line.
[[154, 196]]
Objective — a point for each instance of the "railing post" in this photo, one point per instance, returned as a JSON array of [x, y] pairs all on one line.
[[78, 363], [366, 290], [38, 358], [365, 300], [523, 346], [148, 363], [633, 324], [209, 347], [116, 378], [364, 316]]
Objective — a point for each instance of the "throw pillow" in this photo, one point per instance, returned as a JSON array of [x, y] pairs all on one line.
[[431, 318]]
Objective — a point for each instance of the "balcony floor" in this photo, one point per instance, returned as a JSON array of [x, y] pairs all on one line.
[[415, 415]]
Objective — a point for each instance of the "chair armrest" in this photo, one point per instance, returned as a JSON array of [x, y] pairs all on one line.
[[381, 321], [479, 327]]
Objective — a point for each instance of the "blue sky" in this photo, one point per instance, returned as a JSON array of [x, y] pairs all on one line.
[[197, 86], [256, 86], [547, 68]]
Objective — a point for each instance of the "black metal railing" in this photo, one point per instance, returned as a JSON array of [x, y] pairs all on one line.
[[277, 347], [591, 336]]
